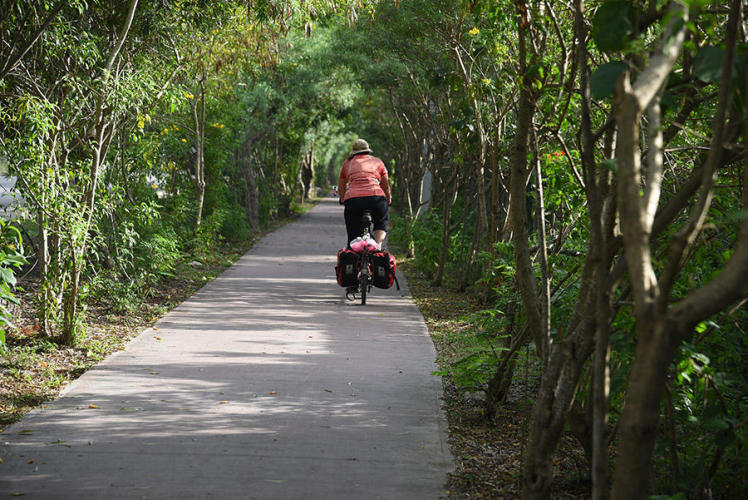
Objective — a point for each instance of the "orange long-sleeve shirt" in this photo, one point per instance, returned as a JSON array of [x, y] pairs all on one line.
[[363, 175]]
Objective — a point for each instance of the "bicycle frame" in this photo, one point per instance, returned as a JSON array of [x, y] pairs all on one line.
[[364, 277]]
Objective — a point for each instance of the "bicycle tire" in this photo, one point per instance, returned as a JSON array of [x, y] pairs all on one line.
[[363, 287]]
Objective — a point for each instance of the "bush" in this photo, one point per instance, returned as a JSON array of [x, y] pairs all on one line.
[[209, 235], [235, 227], [11, 257]]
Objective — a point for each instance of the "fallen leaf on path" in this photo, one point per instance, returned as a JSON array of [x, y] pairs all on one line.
[[155, 328], [25, 432], [328, 390], [31, 461], [224, 402], [154, 373], [92, 406], [271, 392], [157, 338]]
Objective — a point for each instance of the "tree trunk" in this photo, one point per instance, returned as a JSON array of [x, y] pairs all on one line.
[[493, 233], [553, 402], [637, 429], [307, 173], [105, 127], [198, 117], [518, 211], [45, 328], [449, 199], [660, 327], [253, 196], [480, 236], [251, 191], [70, 302], [545, 292]]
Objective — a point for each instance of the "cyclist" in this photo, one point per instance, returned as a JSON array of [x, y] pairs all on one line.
[[364, 185]]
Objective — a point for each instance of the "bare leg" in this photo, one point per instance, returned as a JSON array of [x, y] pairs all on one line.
[[379, 236]]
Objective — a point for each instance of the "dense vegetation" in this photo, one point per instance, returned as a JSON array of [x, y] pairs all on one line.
[[579, 166]]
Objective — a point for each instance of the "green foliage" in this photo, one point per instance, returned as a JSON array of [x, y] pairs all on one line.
[[477, 350], [427, 83], [613, 25], [11, 258], [209, 234], [603, 80], [708, 64], [235, 227], [427, 231]]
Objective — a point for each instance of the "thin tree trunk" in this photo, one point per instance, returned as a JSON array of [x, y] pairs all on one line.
[[253, 195], [518, 181], [250, 179], [12, 61], [199, 119], [43, 258], [596, 186], [553, 402], [481, 225], [545, 292], [104, 134], [450, 195]]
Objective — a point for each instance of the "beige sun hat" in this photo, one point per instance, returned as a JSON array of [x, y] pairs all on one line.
[[360, 146]]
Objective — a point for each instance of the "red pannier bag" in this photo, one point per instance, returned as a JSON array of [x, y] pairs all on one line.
[[347, 269], [383, 268]]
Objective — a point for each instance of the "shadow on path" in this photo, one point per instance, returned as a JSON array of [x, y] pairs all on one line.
[[266, 383]]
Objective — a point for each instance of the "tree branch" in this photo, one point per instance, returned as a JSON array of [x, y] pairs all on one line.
[[11, 62], [690, 231]]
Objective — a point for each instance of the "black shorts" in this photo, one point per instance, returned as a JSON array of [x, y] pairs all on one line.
[[354, 210]]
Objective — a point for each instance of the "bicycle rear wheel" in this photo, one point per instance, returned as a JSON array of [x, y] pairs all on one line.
[[363, 286]]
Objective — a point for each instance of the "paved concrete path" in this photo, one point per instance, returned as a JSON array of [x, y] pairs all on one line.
[[265, 384]]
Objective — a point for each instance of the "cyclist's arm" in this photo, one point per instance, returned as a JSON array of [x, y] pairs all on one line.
[[384, 183], [343, 181]]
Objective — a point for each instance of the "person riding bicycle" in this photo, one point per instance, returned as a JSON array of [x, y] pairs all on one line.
[[364, 185]]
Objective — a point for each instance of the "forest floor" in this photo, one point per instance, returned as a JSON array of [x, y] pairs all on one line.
[[487, 454]]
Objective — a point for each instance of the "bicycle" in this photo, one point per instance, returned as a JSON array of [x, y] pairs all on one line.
[[364, 276]]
